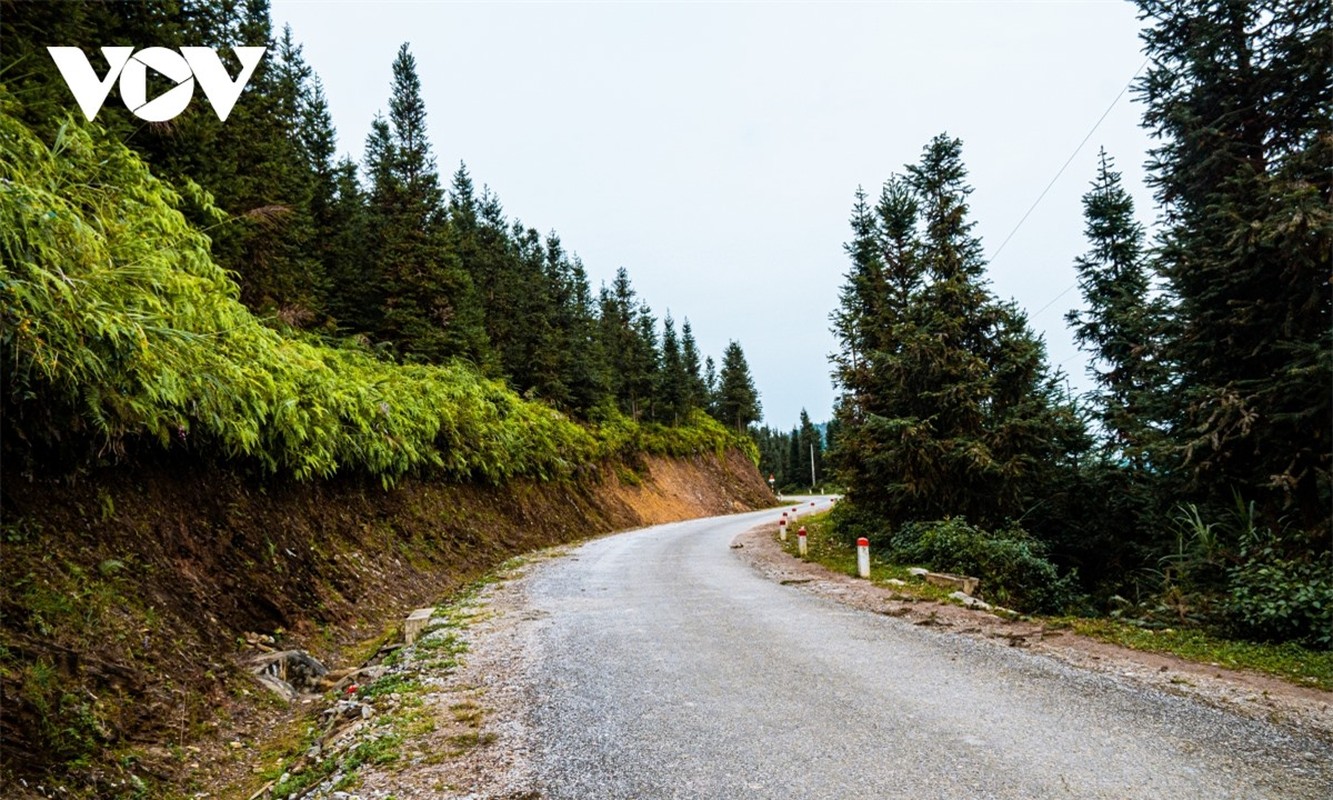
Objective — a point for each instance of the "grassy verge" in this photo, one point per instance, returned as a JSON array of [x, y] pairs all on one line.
[[1289, 662], [824, 547]]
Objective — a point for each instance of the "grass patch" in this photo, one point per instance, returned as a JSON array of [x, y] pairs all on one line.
[[467, 712], [393, 683], [826, 548], [379, 750], [440, 652], [464, 742], [1288, 661]]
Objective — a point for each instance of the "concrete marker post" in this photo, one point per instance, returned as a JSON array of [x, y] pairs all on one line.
[[782, 529], [863, 557], [800, 542]]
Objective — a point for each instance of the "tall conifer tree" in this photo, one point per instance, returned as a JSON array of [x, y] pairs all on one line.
[[429, 310], [948, 408], [696, 392], [1122, 325], [737, 399], [1239, 95]]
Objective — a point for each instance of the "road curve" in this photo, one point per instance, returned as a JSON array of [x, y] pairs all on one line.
[[664, 667]]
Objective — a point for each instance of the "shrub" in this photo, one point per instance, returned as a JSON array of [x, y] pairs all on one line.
[[1277, 599], [1011, 564]]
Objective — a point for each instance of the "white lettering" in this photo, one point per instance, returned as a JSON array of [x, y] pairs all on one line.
[[218, 87], [89, 92], [185, 67]]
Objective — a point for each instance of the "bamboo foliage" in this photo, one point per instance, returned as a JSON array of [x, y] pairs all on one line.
[[119, 325]]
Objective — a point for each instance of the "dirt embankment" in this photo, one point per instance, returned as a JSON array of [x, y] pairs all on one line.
[[130, 597]]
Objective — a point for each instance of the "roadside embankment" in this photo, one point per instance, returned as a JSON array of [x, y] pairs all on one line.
[[132, 596]]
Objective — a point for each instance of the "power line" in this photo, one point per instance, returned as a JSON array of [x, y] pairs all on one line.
[[1069, 161], [1057, 297]]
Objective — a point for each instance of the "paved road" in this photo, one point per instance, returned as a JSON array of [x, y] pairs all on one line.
[[668, 669]]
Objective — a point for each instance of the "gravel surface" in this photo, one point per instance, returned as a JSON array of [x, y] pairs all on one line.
[[673, 662], [657, 664]]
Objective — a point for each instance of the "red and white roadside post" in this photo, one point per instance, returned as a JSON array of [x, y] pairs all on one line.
[[863, 557], [782, 528], [800, 542]]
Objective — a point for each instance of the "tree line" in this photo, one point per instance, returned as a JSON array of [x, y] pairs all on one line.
[[380, 255], [795, 460], [1193, 482]]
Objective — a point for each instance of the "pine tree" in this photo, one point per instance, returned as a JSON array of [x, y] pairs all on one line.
[[429, 312], [710, 387], [335, 197], [354, 290], [571, 369], [947, 407], [1122, 325], [674, 391], [253, 166], [646, 378], [738, 401], [629, 340], [811, 447], [1239, 95], [875, 319], [696, 391], [589, 379], [793, 459]]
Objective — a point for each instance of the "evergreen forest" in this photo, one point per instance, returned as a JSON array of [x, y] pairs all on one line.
[[1191, 486], [235, 291]]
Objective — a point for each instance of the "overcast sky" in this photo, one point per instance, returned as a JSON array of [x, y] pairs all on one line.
[[713, 149]]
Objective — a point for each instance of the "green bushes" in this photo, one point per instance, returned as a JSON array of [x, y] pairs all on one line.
[[1011, 564], [116, 324], [1276, 600], [1236, 575]]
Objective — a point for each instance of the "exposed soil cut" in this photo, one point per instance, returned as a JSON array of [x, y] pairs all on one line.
[[134, 597]]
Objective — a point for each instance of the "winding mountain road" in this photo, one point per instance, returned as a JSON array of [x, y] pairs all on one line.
[[662, 666]]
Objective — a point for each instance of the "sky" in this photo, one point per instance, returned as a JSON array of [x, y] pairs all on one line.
[[713, 149]]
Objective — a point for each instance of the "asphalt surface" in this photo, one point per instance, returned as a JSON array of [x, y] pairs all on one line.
[[664, 667]]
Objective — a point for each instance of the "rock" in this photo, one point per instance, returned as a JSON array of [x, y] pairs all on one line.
[[970, 601], [297, 668], [278, 686], [917, 572], [895, 582]]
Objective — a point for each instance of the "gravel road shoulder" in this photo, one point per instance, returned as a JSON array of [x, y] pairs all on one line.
[[1251, 694]]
